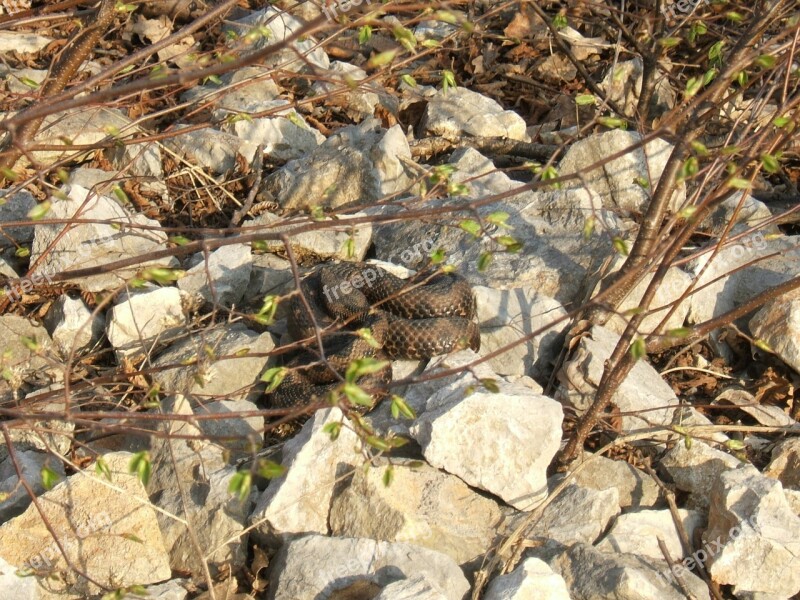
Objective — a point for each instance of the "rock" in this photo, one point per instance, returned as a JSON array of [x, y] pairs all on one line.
[[590, 573], [356, 165], [751, 213], [417, 587], [142, 320], [190, 480], [616, 182], [283, 134], [513, 435], [18, 80], [279, 25], [359, 101], [421, 506], [73, 327], [238, 358], [23, 364], [533, 578], [771, 416], [270, 275], [673, 286], [14, 586], [15, 208], [223, 278], [16, 498], [555, 260], [313, 567], [696, 470], [299, 501], [435, 30], [22, 43], [638, 533], [340, 241], [636, 489], [754, 535], [577, 514], [457, 112], [642, 392], [110, 532], [778, 324], [785, 463], [774, 261], [214, 150], [507, 315], [93, 244], [623, 85], [246, 433], [239, 90], [53, 435], [172, 590]]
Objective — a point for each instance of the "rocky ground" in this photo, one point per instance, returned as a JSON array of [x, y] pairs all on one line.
[[150, 241]]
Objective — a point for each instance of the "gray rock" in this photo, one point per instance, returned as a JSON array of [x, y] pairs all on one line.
[[223, 278], [299, 501], [421, 506], [190, 480], [460, 111], [591, 574], [98, 243], [751, 213], [416, 587], [14, 80], [15, 208], [54, 435], [280, 26], [434, 30], [771, 416], [696, 470], [638, 532], [14, 586], [642, 392], [16, 498], [616, 182], [623, 85], [246, 433], [313, 567], [785, 463], [94, 520], [513, 435], [214, 150], [358, 101], [533, 578], [753, 535], [224, 362], [340, 241], [357, 164], [636, 489], [578, 514], [725, 290], [23, 43], [284, 134], [507, 315], [172, 590], [271, 275], [778, 324], [73, 327], [142, 321], [23, 364]]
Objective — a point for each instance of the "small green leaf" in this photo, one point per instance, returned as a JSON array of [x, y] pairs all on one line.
[[770, 163], [687, 442], [8, 174], [693, 85], [448, 80], [471, 226], [763, 345], [22, 252], [669, 42], [39, 211], [240, 484], [511, 244], [269, 469], [30, 343], [585, 100], [388, 475], [734, 444], [679, 332], [364, 34], [490, 385], [620, 246], [49, 477], [408, 80], [162, 275], [141, 466], [378, 443], [102, 469], [28, 82], [401, 408], [638, 348], [364, 366], [484, 260], [366, 334], [333, 429], [405, 37], [738, 183], [499, 218], [273, 377], [612, 122], [179, 240], [689, 168], [356, 395], [381, 59], [438, 256], [779, 122]]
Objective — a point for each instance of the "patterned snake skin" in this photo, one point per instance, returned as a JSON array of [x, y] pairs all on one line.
[[418, 318]]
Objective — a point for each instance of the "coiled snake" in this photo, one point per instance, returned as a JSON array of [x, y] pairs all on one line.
[[421, 317]]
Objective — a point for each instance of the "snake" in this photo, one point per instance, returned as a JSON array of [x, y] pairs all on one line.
[[363, 311]]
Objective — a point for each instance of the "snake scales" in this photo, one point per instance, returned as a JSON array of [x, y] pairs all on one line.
[[424, 316]]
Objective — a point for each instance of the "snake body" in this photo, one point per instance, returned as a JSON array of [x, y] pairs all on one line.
[[417, 318]]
